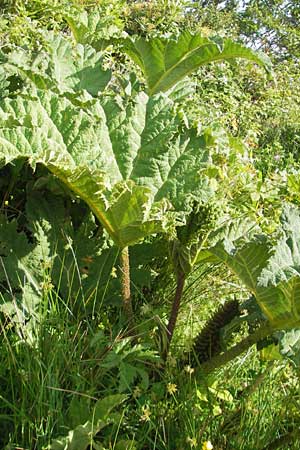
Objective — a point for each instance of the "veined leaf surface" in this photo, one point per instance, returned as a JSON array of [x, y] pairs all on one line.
[[271, 272], [94, 27], [63, 67], [130, 161], [164, 62]]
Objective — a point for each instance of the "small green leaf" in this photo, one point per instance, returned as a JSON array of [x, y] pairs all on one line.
[[104, 406], [224, 395], [77, 439], [82, 435], [270, 353]]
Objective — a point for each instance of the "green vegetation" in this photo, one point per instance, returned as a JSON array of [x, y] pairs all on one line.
[[149, 225]]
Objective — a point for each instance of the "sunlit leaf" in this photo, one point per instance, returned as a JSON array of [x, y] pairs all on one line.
[[270, 271], [166, 61], [61, 66], [130, 161]]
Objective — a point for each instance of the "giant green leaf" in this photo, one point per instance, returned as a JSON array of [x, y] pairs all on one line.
[[131, 161], [95, 27], [60, 66], [270, 271], [166, 61]]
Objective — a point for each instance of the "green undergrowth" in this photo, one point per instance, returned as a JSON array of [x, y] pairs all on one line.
[[54, 372]]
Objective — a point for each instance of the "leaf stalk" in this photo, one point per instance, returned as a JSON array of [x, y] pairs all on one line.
[[220, 360], [175, 309], [125, 286]]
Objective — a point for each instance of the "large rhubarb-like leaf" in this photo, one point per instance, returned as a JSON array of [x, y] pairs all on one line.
[[131, 161], [61, 66], [271, 272], [95, 27], [164, 62]]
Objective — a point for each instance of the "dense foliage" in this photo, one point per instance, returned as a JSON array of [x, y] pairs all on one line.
[[149, 168]]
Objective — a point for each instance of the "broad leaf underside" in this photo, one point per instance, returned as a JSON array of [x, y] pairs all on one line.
[[132, 161]]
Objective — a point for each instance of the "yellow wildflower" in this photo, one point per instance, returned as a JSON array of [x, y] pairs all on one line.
[[192, 441], [145, 417], [113, 273], [189, 369], [207, 445], [171, 388]]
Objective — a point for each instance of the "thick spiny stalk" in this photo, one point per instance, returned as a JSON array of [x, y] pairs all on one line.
[[220, 360]]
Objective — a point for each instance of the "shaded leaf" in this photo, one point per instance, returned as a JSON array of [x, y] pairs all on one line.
[[82, 435]]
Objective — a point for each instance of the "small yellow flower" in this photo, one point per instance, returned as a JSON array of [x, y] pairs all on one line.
[[145, 417], [207, 445], [113, 273], [171, 388], [192, 441], [6, 203], [189, 370], [47, 285]]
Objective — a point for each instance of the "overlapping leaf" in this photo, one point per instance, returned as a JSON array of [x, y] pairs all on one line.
[[22, 271], [83, 435], [130, 161], [60, 66], [95, 27], [164, 62], [271, 272]]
